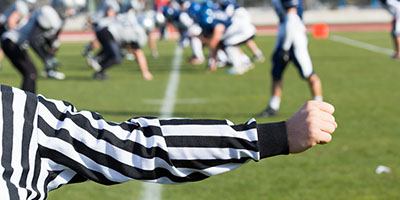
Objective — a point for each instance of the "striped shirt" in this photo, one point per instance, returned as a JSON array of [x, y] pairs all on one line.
[[47, 143]]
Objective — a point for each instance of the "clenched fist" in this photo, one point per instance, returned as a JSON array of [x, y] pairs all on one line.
[[312, 124]]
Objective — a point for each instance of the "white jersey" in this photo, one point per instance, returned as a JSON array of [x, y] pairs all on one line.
[[393, 6], [125, 29], [21, 7], [23, 34], [238, 32]]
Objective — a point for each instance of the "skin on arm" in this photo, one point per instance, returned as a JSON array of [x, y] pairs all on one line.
[[312, 124], [315, 85], [213, 44], [142, 62], [153, 45], [111, 13], [13, 20]]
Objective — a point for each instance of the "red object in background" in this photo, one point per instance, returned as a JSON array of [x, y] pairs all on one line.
[[160, 4], [320, 31]]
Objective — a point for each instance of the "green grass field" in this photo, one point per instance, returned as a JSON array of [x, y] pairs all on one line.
[[363, 86]]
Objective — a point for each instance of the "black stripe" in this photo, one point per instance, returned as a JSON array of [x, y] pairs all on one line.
[[29, 116], [210, 142], [77, 179], [7, 141], [36, 175], [204, 164], [81, 122], [60, 158], [107, 161], [178, 122], [127, 145], [50, 177], [84, 123], [245, 127]]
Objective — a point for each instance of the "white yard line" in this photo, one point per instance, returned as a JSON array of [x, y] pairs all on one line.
[[152, 191], [177, 101], [362, 45]]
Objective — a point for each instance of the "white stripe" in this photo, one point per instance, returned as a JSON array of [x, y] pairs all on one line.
[[153, 191], [212, 130], [362, 45], [81, 134], [193, 153], [18, 107], [64, 147]]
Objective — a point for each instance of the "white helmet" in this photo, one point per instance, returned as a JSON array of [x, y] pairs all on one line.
[[30, 1], [80, 3], [48, 18], [137, 5], [147, 23], [159, 18]]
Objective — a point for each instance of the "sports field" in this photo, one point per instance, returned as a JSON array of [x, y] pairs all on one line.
[[358, 77]]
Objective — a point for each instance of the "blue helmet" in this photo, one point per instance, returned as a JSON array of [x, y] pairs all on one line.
[[194, 10], [171, 13]]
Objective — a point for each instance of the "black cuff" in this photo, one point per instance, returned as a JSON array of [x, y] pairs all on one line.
[[272, 139]]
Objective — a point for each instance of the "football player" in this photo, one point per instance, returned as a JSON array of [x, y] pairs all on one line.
[[239, 13], [123, 31], [15, 16], [291, 45], [44, 24], [221, 32], [393, 6]]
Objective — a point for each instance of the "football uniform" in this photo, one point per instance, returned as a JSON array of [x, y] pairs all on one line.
[[123, 30], [291, 42], [393, 6], [43, 22]]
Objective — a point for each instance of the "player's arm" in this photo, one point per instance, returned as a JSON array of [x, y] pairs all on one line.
[[12, 20], [290, 28], [111, 13], [170, 150], [218, 32], [142, 62]]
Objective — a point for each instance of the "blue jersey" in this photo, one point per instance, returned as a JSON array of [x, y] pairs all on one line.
[[194, 11], [210, 16], [298, 4], [226, 3], [282, 5]]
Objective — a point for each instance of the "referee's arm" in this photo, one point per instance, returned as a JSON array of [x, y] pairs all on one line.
[[47, 143], [150, 149]]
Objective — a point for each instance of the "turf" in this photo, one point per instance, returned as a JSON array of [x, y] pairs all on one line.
[[363, 86]]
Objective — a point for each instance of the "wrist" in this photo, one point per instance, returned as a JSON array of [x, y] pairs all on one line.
[[272, 139]]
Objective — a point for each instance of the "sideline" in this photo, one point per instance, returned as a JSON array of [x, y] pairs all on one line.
[[362, 45], [152, 191]]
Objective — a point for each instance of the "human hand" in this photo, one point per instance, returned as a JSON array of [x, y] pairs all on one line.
[[147, 76], [312, 124]]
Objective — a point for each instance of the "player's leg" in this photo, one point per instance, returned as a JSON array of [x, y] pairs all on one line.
[[23, 63], [197, 49], [278, 66], [396, 38], [257, 53], [110, 52], [302, 61]]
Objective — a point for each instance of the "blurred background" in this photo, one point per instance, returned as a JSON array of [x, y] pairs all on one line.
[[316, 11], [309, 4]]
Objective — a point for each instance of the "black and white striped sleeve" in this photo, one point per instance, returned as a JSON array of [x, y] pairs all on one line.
[[164, 151], [47, 143]]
